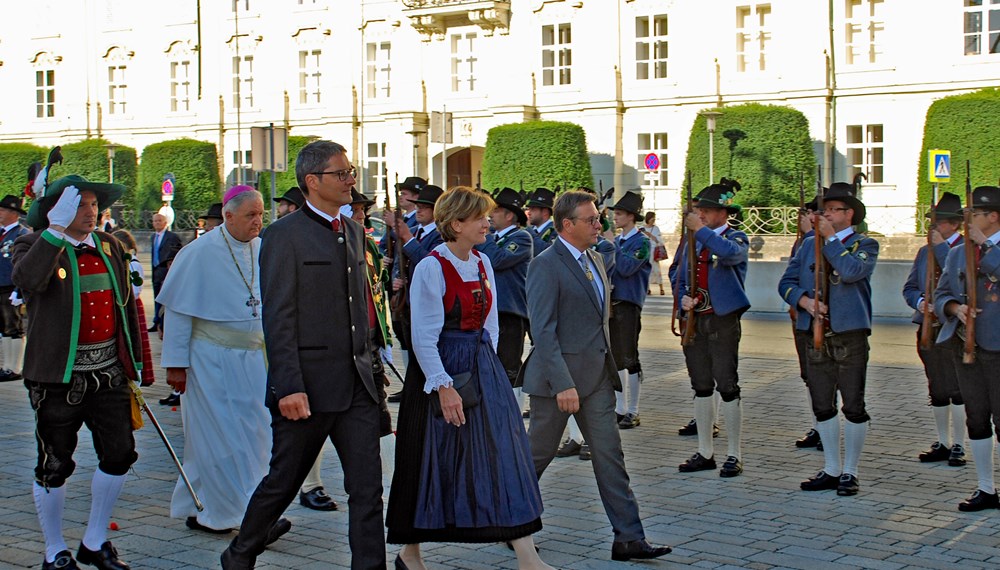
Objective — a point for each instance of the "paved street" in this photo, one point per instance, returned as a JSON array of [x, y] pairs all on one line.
[[905, 515]]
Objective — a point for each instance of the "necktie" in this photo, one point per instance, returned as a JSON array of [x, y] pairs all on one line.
[[336, 224], [585, 265], [420, 234]]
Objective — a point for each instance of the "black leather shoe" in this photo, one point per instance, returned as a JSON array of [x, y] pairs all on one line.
[[398, 564], [395, 398], [848, 485], [585, 452], [153, 329], [231, 561], [526, 414], [171, 400], [641, 549], [937, 452], [106, 558], [820, 482], [317, 500], [697, 463], [568, 448], [9, 376], [691, 428], [277, 530], [810, 439], [980, 500], [629, 421], [731, 468], [64, 561], [957, 456], [193, 524], [619, 417]]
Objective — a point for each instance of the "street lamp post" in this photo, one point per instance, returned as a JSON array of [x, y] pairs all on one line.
[[710, 117], [111, 161]]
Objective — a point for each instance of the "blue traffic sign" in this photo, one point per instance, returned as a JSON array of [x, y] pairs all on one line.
[[652, 161]]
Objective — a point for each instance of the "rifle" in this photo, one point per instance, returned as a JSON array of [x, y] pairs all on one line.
[[930, 282], [688, 321], [397, 302], [802, 208], [820, 282], [971, 277], [479, 180]]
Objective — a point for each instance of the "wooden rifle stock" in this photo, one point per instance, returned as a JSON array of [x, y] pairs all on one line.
[[692, 273], [930, 283], [819, 285], [971, 277]]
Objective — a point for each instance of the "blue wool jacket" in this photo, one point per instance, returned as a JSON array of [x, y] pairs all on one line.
[[6, 249], [850, 297], [417, 250], [951, 287], [543, 240], [727, 272], [510, 256], [913, 289], [630, 276]]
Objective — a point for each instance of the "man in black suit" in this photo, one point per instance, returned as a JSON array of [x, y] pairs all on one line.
[[319, 384], [164, 246]]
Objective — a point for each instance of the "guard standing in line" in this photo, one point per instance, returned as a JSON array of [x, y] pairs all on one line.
[[629, 282], [939, 360], [290, 201], [841, 363], [11, 320], [540, 216], [978, 379], [510, 249], [803, 338], [717, 299]]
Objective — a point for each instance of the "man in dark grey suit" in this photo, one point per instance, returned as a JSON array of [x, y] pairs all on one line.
[[570, 369], [315, 315]]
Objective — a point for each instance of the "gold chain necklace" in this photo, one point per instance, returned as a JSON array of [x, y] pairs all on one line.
[[253, 302]]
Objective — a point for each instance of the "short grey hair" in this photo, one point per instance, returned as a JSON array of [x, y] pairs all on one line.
[[566, 205], [238, 200], [313, 158]]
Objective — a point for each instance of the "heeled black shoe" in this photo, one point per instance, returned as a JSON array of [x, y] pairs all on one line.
[[399, 564]]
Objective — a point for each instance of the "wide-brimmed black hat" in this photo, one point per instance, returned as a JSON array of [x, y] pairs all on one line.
[[986, 198], [541, 198], [719, 196], [359, 198], [429, 195], [631, 202], [214, 212], [949, 207], [12, 202], [293, 196], [106, 195], [847, 193], [414, 183], [511, 199]]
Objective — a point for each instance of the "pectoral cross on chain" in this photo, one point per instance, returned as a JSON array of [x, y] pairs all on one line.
[[253, 303]]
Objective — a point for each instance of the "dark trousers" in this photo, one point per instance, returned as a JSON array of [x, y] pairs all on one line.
[[103, 401], [841, 364], [12, 325], [939, 366], [802, 341], [713, 357], [157, 308], [624, 327], [355, 435], [981, 392], [510, 343]]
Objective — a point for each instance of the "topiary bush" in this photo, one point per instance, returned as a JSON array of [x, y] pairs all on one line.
[[195, 167], [966, 125], [766, 148], [284, 180], [89, 158], [15, 158], [536, 153]]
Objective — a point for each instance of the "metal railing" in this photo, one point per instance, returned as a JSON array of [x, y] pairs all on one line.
[[183, 219]]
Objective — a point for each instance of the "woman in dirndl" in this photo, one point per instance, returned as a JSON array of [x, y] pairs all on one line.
[[465, 476]]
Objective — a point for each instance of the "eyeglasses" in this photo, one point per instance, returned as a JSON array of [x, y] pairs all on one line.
[[589, 221], [975, 213], [342, 175], [838, 209]]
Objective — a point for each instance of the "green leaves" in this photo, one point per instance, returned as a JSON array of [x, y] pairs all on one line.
[[195, 167], [537, 153]]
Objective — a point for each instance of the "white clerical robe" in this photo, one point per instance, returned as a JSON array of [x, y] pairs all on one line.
[[212, 328]]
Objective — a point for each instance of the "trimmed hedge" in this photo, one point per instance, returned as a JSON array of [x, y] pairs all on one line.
[[537, 153], [89, 159], [15, 158], [967, 126], [284, 180], [772, 152], [195, 167]]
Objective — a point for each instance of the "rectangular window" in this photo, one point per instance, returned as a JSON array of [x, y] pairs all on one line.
[[309, 76], [557, 55], [865, 151], [463, 62], [651, 47], [243, 81], [652, 143], [45, 93], [976, 33], [241, 5], [374, 168], [864, 31], [245, 155], [753, 34], [378, 69], [116, 89], [180, 86]]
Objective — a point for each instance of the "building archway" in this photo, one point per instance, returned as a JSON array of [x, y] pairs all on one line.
[[464, 165]]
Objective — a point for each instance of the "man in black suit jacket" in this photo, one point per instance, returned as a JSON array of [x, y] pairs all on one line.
[[315, 314], [164, 247]]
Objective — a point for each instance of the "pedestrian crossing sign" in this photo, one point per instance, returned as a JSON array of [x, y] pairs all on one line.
[[939, 165]]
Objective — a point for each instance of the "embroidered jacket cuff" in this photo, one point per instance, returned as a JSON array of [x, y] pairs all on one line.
[[440, 380]]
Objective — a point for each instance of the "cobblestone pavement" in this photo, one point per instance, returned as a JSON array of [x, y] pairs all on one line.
[[905, 515]]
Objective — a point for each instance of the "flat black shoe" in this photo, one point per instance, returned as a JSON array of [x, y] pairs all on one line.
[[568, 448], [193, 524], [979, 501], [691, 428], [957, 456], [810, 439], [395, 398], [277, 530], [398, 564], [153, 329], [619, 417], [820, 482], [64, 561], [731, 468], [171, 400], [629, 421], [317, 500], [526, 414], [819, 446], [640, 549], [697, 463], [848, 485], [937, 452], [585, 452], [105, 558]]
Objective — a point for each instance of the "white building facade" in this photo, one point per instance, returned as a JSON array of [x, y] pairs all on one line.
[[369, 73]]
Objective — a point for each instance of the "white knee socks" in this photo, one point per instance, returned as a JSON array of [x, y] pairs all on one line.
[[829, 434], [704, 415], [854, 443], [104, 491], [733, 412], [982, 455], [941, 422], [620, 396], [958, 424], [634, 382], [49, 505]]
